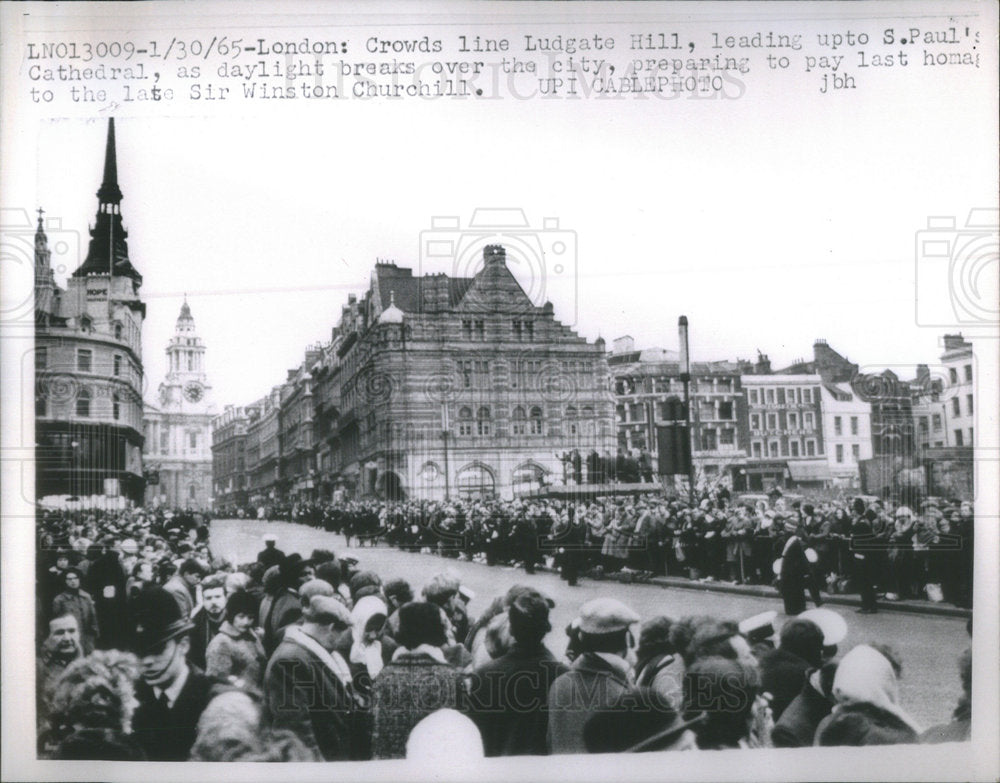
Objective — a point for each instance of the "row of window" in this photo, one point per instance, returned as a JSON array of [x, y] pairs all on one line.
[[782, 396], [838, 425], [953, 374], [522, 331], [82, 406], [87, 326], [956, 405], [789, 448], [84, 361], [665, 384]]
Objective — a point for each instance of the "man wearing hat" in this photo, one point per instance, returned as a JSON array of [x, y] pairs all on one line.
[[172, 694], [307, 685], [599, 677], [508, 696], [270, 555]]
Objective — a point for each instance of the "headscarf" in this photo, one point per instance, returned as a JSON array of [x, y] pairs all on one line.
[[865, 676], [369, 654]]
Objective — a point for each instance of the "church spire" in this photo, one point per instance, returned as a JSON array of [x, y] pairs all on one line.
[[108, 251], [110, 193]]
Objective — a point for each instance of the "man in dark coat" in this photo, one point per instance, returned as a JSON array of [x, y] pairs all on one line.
[[796, 728], [783, 671], [172, 694], [307, 688], [795, 574], [270, 555], [106, 584], [207, 618], [599, 677], [509, 695]]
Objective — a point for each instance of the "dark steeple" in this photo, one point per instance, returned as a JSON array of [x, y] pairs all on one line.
[[108, 252], [110, 192]]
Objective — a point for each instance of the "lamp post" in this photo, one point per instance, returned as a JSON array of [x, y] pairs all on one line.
[[685, 362], [444, 438]]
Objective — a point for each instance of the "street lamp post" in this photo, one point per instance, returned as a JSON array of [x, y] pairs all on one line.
[[444, 438], [685, 362]]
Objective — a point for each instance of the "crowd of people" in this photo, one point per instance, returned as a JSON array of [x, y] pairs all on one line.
[[153, 648], [872, 549]]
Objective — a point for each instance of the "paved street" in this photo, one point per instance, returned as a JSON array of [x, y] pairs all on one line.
[[929, 646]]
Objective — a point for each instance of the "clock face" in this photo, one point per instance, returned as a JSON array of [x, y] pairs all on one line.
[[193, 391]]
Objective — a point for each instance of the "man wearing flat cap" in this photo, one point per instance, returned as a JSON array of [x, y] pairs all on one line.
[[172, 694], [307, 685], [600, 675]]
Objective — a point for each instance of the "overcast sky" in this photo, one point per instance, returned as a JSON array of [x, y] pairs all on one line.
[[770, 221]]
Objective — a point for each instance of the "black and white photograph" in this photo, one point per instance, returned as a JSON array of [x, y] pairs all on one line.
[[496, 391]]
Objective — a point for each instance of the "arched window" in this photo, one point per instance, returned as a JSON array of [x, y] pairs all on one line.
[[465, 421], [518, 421], [86, 323], [83, 403], [535, 415], [483, 421], [116, 407], [475, 483], [119, 330]]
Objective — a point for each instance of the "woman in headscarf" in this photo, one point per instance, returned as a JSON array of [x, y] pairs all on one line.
[[867, 709], [365, 657]]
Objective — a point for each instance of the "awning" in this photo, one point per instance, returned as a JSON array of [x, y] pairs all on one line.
[[815, 470]]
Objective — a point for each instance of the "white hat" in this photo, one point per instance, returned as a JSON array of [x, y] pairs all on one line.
[[445, 736], [832, 625]]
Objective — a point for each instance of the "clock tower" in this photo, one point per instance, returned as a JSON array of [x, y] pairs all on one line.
[[186, 386], [178, 446]]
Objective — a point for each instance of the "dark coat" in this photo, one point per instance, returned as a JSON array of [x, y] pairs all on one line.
[[179, 589], [508, 700], [782, 675], [591, 685], [796, 728], [405, 692], [285, 609], [269, 556], [863, 724], [168, 734], [302, 695], [205, 629]]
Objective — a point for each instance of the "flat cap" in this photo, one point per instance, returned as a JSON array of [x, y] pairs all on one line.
[[324, 610], [606, 615]]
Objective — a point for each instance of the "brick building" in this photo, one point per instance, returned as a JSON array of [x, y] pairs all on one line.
[[787, 445], [646, 381]]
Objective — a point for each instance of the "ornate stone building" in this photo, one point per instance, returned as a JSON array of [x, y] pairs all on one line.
[[435, 386], [178, 427], [88, 363]]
